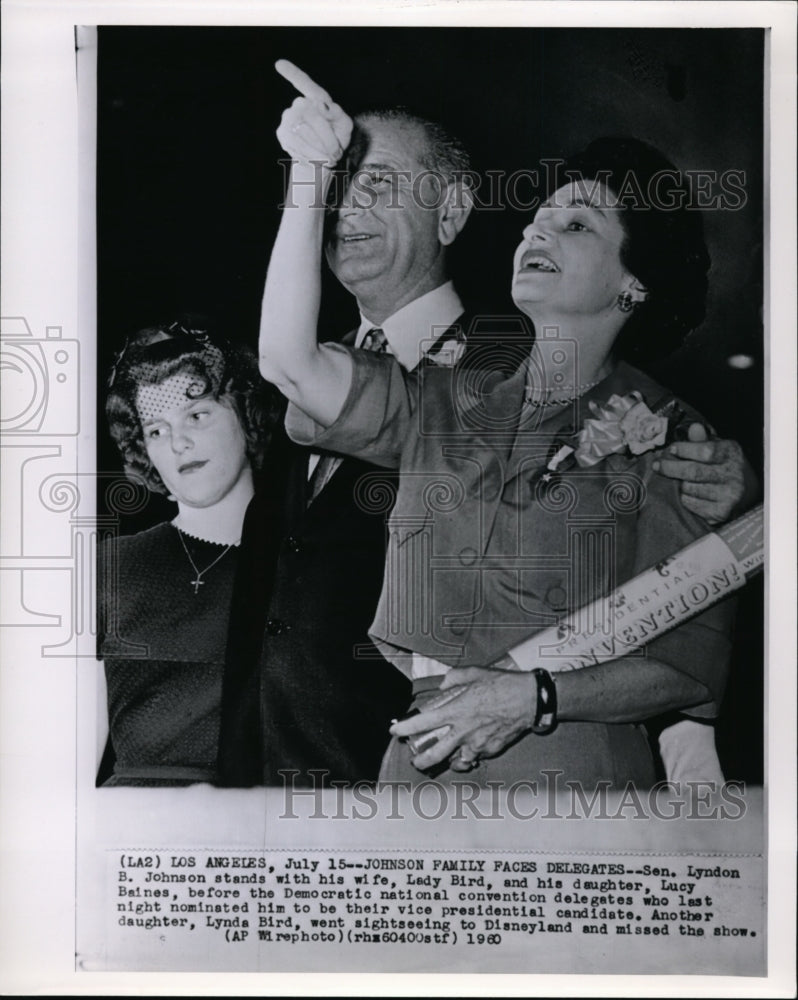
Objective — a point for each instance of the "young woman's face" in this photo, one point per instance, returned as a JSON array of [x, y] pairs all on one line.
[[196, 444], [569, 262]]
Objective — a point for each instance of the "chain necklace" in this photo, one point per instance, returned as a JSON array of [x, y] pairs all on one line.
[[580, 391], [198, 582]]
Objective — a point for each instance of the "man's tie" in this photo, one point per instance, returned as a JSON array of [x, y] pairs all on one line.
[[376, 341]]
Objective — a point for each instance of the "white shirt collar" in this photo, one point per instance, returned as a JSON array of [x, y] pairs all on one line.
[[414, 328]]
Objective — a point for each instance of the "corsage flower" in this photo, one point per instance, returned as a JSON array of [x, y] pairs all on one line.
[[621, 424]]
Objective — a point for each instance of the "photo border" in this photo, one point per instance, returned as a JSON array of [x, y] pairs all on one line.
[[42, 227]]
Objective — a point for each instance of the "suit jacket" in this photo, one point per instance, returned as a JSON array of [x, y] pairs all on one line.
[[305, 688]]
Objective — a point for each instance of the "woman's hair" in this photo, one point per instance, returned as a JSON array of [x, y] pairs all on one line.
[[223, 371], [664, 246]]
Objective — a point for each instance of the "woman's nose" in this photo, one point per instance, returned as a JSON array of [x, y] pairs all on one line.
[[181, 441], [535, 232]]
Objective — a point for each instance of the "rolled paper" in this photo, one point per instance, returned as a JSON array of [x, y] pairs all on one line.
[[653, 602], [650, 604]]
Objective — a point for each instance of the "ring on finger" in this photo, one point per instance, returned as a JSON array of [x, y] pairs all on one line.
[[298, 126], [465, 761]]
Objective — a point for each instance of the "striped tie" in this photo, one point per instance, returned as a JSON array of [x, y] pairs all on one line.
[[376, 341]]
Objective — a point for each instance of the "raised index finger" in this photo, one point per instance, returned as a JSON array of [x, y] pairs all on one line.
[[304, 84]]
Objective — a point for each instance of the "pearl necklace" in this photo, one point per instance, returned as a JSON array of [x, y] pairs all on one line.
[[580, 391]]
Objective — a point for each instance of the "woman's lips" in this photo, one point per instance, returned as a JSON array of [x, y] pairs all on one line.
[[191, 466], [536, 260]]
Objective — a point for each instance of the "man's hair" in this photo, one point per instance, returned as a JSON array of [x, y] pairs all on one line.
[[223, 371], [443, 152]]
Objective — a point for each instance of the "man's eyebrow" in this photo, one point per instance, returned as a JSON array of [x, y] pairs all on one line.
[[372, 165]]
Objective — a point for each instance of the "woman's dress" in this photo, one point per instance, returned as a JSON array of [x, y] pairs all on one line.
[[163, 638], [484, 552]]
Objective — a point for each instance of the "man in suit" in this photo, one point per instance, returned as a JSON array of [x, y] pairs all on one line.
[[316, 694], [307, 698]]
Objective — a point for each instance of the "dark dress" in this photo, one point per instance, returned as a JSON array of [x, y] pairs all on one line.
[[163, 647], [307, 698]]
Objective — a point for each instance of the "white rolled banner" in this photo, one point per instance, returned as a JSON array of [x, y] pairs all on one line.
[[650, 604], [654, 601]]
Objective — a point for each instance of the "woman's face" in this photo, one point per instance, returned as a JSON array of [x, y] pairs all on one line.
[[569, 262], [196, 444]]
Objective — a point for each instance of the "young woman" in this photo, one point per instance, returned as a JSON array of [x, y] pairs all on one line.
[[191, 419]]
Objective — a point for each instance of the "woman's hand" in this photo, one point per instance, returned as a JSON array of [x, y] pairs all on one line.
[[314, 129], [491, 710]]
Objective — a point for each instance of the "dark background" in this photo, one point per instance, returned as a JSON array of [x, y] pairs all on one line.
[[188, 187]]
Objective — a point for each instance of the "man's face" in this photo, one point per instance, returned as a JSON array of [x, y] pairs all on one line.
[[385, 241]]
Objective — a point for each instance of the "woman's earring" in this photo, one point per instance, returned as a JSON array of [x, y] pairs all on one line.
[[625, 302]]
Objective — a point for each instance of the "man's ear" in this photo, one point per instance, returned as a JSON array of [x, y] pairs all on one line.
[[453, 213]]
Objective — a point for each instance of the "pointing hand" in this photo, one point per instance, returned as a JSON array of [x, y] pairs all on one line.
[[314, 128]]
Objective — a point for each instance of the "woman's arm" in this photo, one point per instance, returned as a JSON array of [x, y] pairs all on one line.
[[494, 707], [314, 132]]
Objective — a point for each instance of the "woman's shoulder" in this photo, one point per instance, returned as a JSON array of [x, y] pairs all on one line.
[[142, 548], [136, 564], [149, 536], [656, 395]]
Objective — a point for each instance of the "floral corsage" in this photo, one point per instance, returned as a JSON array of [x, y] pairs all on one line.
[[623, 424]]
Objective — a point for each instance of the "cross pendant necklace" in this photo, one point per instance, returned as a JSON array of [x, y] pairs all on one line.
[[198, 582]]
